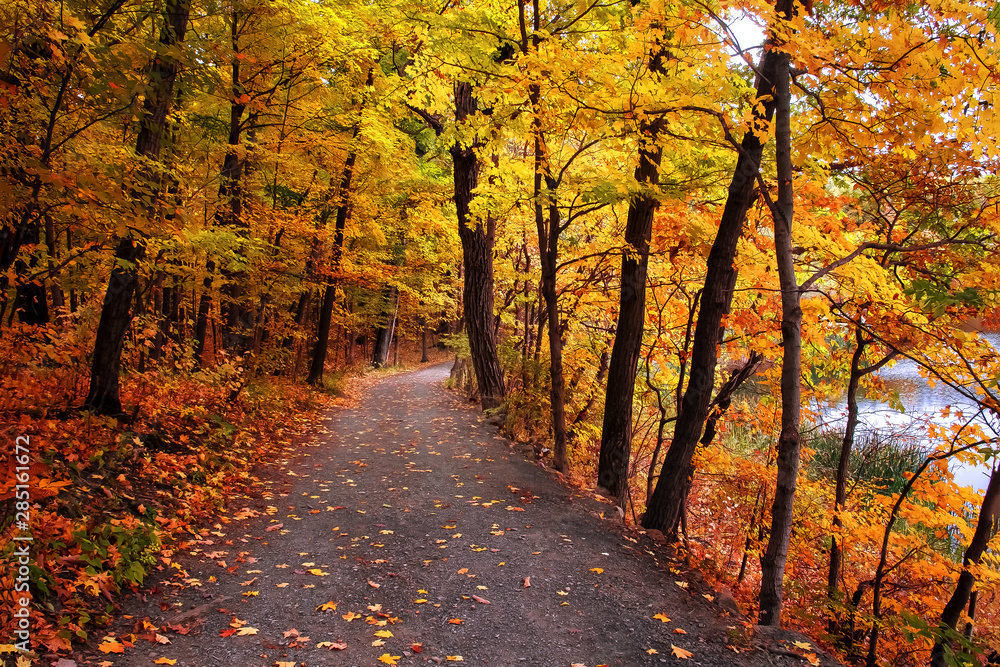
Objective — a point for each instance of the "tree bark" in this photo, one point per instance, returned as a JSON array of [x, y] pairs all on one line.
[[329, 293], [116, 313], [789, 440], [666, 506], [616, 430], [384, 334], [477, 237], [966, 580]]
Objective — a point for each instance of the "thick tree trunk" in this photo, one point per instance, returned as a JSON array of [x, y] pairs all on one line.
[[789, 440], [116, 314], [616, 431], [988, 515], [666, 506], [477, 256]]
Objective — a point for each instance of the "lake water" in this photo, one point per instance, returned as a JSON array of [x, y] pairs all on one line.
[[922, 403]]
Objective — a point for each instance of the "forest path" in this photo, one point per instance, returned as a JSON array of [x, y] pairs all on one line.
[[407, 511]]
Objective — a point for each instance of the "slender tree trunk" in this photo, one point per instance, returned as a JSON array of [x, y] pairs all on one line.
[[329, 293], [477, 237], [423, 344], [616, 430], [384, 334], [789, 440], [116, 316], [988, 515], [666, 506]]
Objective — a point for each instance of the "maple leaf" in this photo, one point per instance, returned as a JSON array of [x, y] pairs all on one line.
[[652, 651], [454, 658], [160, 639], [350, 616], [598, 570], [662, 617], [242, 632], [279, 663], [389, 659], [678, 652], [165, 661], [456, 621], [327, 606], [291, 633], [805, 646], [383, 633], [111, 646], [339, 646], [813, 660]]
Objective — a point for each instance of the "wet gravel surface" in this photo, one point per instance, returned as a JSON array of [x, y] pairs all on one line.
[[408, 531]]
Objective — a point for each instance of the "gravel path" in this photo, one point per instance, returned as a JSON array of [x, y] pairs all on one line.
[[409, 532]]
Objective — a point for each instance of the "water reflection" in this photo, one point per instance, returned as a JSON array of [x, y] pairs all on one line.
[[922, 403]]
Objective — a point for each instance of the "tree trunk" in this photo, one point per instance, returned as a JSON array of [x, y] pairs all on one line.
[[616, 430], [666, 506], [329, 294], [789, 441], [384, 334], [477, 256], [423, 344], [116, 312], [977, 547]]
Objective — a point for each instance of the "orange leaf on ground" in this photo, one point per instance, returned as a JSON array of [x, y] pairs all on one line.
[[678, 652]]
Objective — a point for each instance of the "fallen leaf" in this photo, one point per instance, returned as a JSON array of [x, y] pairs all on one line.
[[291, 633], [417, 648], [454, 658], [389, 659], [419, 601], [378, 642], [318, 572], [164, 661], [373, 584], [327, 606], [279, 663], [527, 582], [242, 632], [811, 657], [682, 584], [652, 651], [276, 526], [805, 646], [480, 600], [456, 621], [561, 593], [350, 616], [598, 570], [463, 570], [111, 646], [340, 646], [383, 633], [678, 652], [662, 617], [680, 631], [160, 639]]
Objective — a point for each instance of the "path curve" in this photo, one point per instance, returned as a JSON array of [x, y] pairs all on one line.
[[410, 514]]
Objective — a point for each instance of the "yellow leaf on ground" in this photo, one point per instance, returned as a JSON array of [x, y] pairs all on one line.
[[327, 606], [389, 659], [350, 616], [247, 631], [678, 652], [805, 646], [454, 658], [662, 617], [680, 631], [652, 651], [383, 633], [455, 621], [598, 570], [164, 661], [813, 660]]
